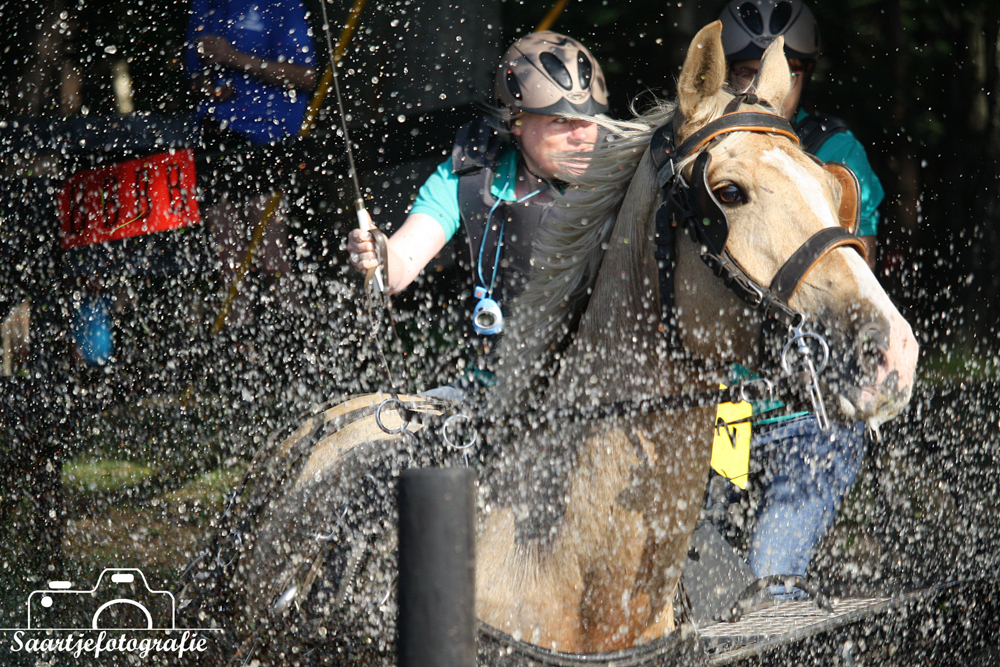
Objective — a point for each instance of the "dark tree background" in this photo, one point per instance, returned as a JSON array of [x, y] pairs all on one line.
[[918, 81]]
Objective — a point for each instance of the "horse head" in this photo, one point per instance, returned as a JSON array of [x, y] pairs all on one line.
[[775, 198]]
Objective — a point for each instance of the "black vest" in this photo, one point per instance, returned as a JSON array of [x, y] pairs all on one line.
[[474, 159], [816, 128]]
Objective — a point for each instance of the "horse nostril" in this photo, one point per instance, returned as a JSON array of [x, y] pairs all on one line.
[[872, 343]]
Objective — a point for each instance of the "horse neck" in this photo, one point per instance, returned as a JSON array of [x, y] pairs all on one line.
[[619, 352]]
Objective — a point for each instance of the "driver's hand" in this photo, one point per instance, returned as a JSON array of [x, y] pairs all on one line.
[[361, 246]]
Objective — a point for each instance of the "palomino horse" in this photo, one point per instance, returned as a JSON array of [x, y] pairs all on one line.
[[583, 523]]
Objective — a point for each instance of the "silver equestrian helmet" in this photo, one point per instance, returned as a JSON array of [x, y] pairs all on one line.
[[550, 74], [748, 26]]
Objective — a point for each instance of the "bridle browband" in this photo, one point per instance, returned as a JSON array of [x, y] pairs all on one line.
[[694, 207]]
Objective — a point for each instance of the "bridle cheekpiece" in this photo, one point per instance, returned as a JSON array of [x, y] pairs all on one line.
[[694, 207]]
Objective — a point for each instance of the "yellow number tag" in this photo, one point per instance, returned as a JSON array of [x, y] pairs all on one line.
[[731, 444]]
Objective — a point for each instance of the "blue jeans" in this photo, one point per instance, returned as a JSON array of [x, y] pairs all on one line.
[[806, 476]]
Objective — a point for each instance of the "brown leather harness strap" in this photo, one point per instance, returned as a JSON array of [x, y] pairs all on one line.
[[737, 121], [791, 273]]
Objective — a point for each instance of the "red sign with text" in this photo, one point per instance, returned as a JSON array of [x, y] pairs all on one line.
[[118, 201]]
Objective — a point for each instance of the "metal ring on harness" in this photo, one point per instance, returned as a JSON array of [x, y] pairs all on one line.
[[447, 440], [378, 417], [799, 339], [767, 391]]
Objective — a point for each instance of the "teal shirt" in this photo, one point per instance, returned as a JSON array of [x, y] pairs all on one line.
[[843, 147], [438, 196]]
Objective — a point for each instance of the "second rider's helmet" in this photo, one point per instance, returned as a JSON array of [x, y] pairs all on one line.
[[748, 26], [550, 74]]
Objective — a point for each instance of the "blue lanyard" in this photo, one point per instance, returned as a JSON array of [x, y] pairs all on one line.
[[486, 232]]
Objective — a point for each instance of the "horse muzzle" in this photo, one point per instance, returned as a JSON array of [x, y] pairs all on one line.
[[872, 367]]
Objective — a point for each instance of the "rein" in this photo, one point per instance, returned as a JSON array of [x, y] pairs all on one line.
[[750, 391], [377, 279]]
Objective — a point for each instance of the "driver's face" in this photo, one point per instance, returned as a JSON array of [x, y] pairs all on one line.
[[543, 137], [743, 76]]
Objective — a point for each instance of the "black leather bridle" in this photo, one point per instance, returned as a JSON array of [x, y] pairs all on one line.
[[693, 206]]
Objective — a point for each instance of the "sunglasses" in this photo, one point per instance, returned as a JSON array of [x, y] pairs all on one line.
[[746, 75]]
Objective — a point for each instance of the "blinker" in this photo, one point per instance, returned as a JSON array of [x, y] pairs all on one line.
[[850, 197], [715, 222]]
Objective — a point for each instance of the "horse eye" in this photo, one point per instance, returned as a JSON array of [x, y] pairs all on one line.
[[730, 194]]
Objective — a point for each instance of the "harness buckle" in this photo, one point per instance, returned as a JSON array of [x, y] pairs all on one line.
[[666, 172], [381, 425], [750, 292], [756, 293]]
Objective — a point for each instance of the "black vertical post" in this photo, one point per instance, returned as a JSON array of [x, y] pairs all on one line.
[[437, 568]]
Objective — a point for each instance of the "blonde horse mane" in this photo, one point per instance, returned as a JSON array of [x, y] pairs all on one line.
[[569, 250]]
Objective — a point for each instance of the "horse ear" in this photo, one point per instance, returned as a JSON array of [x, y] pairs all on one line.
[[704, 71], [774, 79]]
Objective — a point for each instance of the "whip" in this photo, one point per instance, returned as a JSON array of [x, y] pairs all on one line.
[[374, 277]]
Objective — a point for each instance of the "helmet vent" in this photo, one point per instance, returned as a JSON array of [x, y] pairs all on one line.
[[556, 69], [512, 85], [752, 18], [779, 17], [584, 70]]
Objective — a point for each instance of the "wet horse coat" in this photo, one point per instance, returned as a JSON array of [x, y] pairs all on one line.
[[583, 526]]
